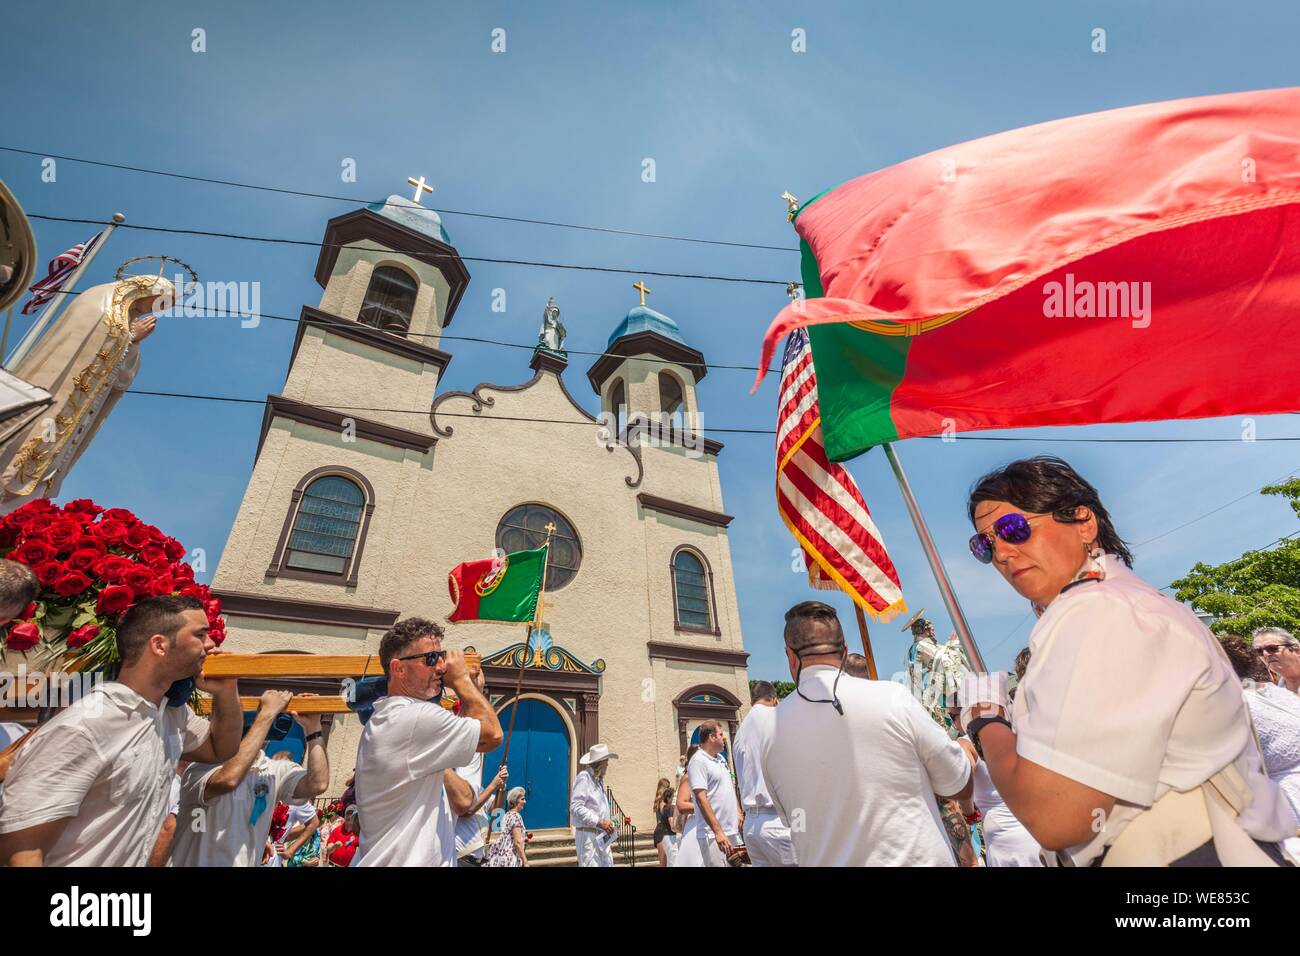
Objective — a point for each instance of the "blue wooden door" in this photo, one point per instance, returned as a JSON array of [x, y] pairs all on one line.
[[539, 762]]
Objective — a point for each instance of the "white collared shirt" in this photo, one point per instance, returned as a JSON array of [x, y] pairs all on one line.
[[752, 740], [107, 761], [710, 774], [589, 803], [220, 830], [405, 817], [859, 789], [1127, 692]]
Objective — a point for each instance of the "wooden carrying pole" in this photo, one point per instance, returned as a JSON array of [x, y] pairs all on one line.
[[866, 642]]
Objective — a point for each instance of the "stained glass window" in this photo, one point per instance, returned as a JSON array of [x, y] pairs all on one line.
[[524, 528], [325, 529], [692, 588]]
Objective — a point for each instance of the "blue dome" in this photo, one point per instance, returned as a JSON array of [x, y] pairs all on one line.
[[419, 218], [642, 319]]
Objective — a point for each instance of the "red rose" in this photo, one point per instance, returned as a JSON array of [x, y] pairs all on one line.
[[183, 573], [83, 636], [153, 555], [114, 599], [36, 525], [83, 506], [205, 593], [109, 531], [71, 583], [8, 535], [139, 579], [113, 568], [122, 515], [32, 553], [88, 542], [34, 507], [63, 534], [175, 550], [218, 634], [136, 538], [163, 584], [48, 572], [190, 590], [29, 612], [213, 607], [83, 560], [23, 636]]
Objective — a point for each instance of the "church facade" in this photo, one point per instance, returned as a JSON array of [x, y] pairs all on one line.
[[357, 508]]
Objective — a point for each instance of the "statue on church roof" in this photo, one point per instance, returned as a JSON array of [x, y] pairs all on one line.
[[551, 336]]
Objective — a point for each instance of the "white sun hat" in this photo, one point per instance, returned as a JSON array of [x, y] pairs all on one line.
[[596, 754]]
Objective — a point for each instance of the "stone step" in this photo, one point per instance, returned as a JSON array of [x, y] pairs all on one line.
[[556, 848]]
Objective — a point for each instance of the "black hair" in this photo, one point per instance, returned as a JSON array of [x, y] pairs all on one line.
[[804, 623], [761, 690], [144, 619], [1048, 485], [402, 635]]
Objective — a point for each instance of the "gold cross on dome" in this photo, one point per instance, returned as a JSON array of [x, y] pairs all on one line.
[[641, 287], [550, 528], [420, 188], [792, 206]]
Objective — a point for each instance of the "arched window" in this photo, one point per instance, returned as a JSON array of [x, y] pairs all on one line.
[[524, 528], [390, 300], [692, 599], [618, 405], [672, 402], [325, 529]]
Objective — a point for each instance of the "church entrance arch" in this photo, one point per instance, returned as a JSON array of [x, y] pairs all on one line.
[[540, 759]]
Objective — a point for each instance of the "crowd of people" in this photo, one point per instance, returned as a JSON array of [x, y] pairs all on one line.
[[1129, 735]]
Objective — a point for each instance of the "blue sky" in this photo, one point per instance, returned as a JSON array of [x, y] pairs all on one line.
[[557, 128]]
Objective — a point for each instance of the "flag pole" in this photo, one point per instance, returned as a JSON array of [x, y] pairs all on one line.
[[936, 563], [47, 314], [866, 642], [519, 681]]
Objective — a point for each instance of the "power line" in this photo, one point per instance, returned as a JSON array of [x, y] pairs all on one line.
[[1253, 491], [354, 199], [585, 422], [423, 256]]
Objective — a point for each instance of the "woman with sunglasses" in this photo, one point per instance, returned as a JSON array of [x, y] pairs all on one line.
[[1280, 652], [1129, 742]]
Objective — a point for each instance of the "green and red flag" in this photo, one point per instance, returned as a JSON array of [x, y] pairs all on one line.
[[497, 589], [1132, 265]]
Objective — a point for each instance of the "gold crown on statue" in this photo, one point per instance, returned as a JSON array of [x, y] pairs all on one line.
[[162, 264]]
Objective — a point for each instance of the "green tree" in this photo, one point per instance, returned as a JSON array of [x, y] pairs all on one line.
[[1258, 589]]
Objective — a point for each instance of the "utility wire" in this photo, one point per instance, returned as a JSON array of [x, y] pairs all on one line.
[[354, 199], [423, 256], [1253, 491]]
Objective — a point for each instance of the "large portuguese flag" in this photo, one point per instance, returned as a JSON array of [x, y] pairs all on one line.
[[1132, 265], [497, 589]]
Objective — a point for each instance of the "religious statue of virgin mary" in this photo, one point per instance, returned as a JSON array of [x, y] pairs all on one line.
[[85, 361]]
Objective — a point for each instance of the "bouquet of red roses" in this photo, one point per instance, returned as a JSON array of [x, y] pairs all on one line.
[[93, 564]]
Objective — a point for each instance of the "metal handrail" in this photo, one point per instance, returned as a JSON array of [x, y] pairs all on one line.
[[626, 831]]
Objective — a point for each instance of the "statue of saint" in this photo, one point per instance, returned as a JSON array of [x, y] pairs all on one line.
[[85, 361], [934, 671], [551, 336]]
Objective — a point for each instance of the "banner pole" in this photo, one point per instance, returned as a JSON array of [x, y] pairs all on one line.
[[936, 563], [866, 642]]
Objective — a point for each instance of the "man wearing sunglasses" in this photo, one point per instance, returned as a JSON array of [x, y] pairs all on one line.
[[1280, 652], [1129, 743], [854, 765], [410, 741]]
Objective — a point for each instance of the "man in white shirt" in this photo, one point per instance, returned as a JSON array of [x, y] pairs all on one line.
[[225, 812], [717, 812], [854, 765], [589, 809], [90, 788], [766, 838], [408, 744]]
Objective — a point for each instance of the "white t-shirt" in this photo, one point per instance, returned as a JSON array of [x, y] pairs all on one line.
[[405, 817], [1127, 692], [711, 775], [225, 832], [10, 731], [299, 813], [859, 789], [107, 762], [471, 830], [752, 739]]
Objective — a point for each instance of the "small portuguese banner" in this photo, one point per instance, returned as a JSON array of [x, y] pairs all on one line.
[[497, 589]]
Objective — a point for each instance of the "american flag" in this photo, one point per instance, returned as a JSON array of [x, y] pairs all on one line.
[[820, 502], [61, 266]]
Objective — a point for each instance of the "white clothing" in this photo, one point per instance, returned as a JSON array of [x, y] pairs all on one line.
[[404, 748], [711, 775], [859, 789], [10, 731], [106, 762], [471, 830], [299, 813], [174, 796], [1006, 841], [751, 741], [1275, 712], [588, 805], [223, 830], [768, 838], [1127, 692]]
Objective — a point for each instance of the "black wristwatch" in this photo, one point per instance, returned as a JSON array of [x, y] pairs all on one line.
[[312, 736], [979, 723]]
